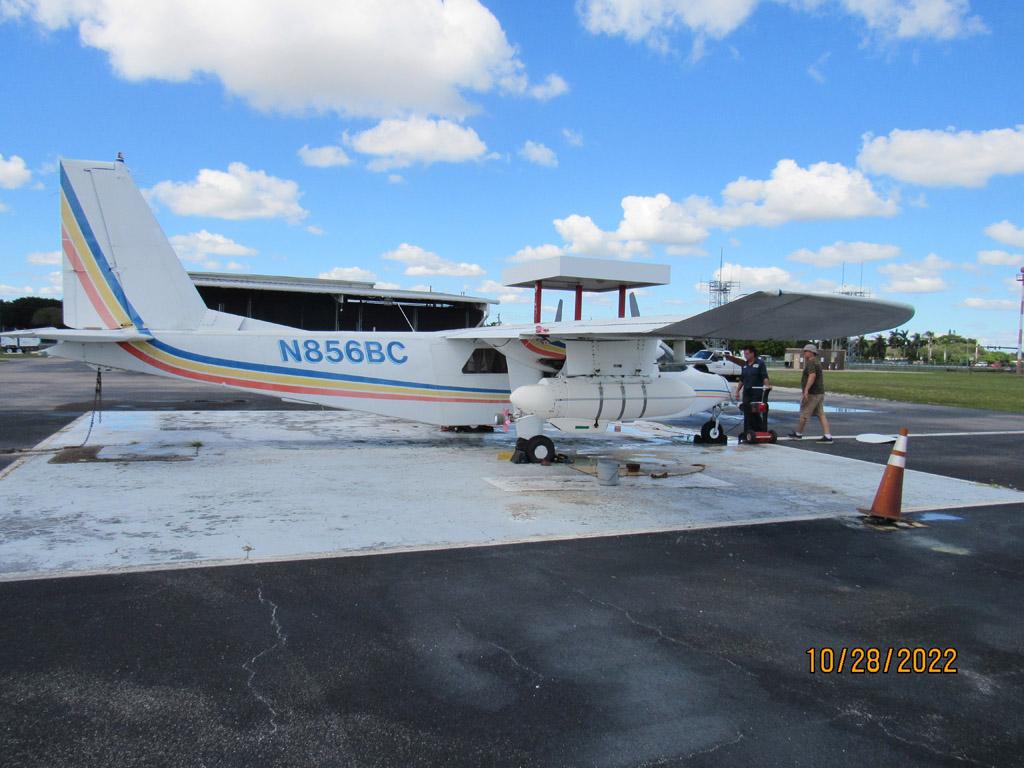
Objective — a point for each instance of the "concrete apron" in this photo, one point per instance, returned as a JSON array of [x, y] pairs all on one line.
[[178, 489]]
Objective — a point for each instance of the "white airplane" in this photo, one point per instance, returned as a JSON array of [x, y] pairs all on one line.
[[130, 305]]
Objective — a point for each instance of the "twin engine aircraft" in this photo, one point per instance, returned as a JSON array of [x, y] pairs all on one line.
[[130, 305]]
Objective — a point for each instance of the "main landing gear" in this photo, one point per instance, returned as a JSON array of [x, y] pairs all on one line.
[[532, 445]]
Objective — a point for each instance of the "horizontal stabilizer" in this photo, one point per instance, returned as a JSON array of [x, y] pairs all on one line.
[[83, 336]]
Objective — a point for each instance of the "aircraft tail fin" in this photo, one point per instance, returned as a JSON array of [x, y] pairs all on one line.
[[119, 268]]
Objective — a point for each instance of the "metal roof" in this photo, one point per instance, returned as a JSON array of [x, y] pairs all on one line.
[[318, 285], [595, 275]]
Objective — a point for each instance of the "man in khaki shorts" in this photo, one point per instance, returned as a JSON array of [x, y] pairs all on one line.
[[812, 395]]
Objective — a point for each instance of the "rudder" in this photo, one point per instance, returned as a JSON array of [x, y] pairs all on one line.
[[119, 269]]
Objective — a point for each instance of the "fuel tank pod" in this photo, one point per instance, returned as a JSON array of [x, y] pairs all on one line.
[[605, 398]]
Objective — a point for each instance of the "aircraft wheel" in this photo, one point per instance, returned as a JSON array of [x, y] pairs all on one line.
[[750, 436], [774, 436], [540, 448], [708, 433]]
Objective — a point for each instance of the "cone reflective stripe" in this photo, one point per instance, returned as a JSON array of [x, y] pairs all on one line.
[[889, 498]]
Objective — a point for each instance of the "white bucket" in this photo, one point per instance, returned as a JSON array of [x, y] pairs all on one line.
[[607, 472]]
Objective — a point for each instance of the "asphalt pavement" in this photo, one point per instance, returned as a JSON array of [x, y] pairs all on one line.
[[659, 649]]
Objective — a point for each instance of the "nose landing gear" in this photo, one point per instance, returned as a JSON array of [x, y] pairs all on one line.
[[711, 432]]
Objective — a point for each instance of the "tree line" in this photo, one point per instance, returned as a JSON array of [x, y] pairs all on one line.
[[30, 312]]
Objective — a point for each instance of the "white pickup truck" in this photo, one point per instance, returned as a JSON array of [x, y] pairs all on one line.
[[716, 361]]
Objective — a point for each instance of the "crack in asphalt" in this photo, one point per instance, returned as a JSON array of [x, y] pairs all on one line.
[[250, 665], [661, 634]]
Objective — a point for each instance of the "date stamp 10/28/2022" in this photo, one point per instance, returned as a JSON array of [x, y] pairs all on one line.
[[857, 660]]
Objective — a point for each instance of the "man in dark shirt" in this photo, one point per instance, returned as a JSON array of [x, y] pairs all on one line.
[[753, 386], [812, 394]]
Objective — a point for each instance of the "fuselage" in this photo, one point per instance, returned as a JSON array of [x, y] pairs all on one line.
[[420, 376]]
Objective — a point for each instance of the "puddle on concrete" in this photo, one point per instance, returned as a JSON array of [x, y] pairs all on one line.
[[116, 454], [928, 517], [795, 408]]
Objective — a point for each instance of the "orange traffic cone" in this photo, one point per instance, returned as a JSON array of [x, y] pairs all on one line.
[[889, 498]]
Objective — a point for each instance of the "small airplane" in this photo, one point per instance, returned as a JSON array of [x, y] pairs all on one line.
[[130, 305]]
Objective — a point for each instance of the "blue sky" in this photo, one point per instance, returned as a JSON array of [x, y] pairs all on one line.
[[421, 143]]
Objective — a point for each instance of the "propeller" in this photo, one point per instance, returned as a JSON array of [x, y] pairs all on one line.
[[634, 308], [558, 312]]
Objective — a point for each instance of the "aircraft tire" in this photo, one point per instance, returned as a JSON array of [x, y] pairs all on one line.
[[540, 448], [774, 436], [750, 436]]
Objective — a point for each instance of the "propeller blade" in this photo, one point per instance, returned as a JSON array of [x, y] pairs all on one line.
[[558, 312], [634, 308]]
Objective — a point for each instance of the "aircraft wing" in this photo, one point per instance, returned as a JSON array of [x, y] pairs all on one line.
[[760, 315], [82, 335]]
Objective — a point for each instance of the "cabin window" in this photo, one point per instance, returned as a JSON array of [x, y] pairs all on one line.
[[486, 360]]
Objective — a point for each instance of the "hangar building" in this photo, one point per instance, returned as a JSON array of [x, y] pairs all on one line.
[[337, 305]]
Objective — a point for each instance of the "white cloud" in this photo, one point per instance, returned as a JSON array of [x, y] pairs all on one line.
[[400, 143], [944, 158], [583, 236], [538, 154], [13, 290], [422, 263], [652, 21], [44, 257], [659, 220], [923, 276], [814, 71], [3, 208], [906, 19], [314, 230], [1006, 233], [323, 157], [820, 191], [396, 178], [793, 193], [1001, 258], [355, 274], [13, 172], [537, 252], [236, 194], [387, 286], [553, 86], [572, 138], [197, 247], [504, 294], [770, 278], [374, 58], [842, 252], [996, 304]]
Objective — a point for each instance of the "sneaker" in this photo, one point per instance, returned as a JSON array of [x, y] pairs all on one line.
[[826, 439], [795, 435]]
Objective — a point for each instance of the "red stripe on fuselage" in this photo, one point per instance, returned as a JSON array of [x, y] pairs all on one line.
[[293, 388]]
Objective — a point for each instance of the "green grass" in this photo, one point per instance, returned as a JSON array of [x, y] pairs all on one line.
[[994, 391]]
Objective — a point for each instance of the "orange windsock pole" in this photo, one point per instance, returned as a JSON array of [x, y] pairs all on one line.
[[889, 498]]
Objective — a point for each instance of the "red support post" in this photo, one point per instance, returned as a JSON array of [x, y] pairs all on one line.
[[579, 302], [538, 289], [622, 301]]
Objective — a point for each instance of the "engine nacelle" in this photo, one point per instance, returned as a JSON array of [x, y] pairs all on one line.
[[606, 398]]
